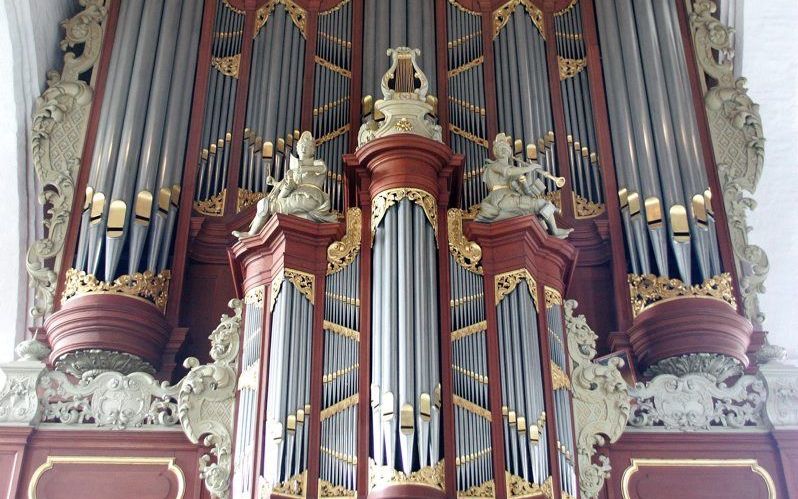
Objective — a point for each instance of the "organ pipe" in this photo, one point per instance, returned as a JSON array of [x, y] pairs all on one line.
[[141, 140], [658, 159]]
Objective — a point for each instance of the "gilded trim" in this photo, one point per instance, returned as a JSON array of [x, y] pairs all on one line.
[[305, 283], [428, 476], [501, 16], [388, 198], [213, 206], [228, 66], [146, 286], [570, 67], [335, 133], [559, 380], [753, 464], [468, 136], [466, 253], [247, 198], [469, 330], [339, 406], [342, 253], [465, 67], [648, 290], [459, 7], [342, 330], [584, 208], [298, 15], [506, 283], [51, 461], [552, 296], [332, 67]]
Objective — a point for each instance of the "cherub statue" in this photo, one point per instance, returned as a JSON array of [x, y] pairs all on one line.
[[510, 192], [299, 193]]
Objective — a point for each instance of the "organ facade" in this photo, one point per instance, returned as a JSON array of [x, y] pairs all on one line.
[[459, 248]]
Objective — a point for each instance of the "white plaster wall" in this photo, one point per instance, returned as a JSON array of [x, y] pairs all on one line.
[[770, 39]]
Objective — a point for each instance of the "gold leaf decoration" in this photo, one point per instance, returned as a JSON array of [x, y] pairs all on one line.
[[305, 283], [298, 15], [466, 253], [649, 290], [465, 67], [552, 296], [570, 67], [431, 476], [501, 16], [342, 330], [584, 208], [469, 330], [518, 487], [388, 198], [247, 198], [404, 125], [255, 296], [555, 198], [228, 66], [327, 489], [471, 407], [346, 403], [559, 380], [342, 253], [296, 486], [508, 281], [213, 206], [483, 490], [148, 286]]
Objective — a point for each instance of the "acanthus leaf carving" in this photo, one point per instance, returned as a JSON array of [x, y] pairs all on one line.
[[600, 400]]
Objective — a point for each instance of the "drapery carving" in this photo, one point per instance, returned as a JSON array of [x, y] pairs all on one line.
[[738, 143], [600, 399], [57, 136]]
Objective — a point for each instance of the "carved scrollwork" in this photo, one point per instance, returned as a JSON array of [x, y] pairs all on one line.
[[228, 66], [648, 290], [600, 399], [57, 135], [146, 285], [213, 206], [297, 13], [508, 281], [388, 198], [584, 208], [738, 143], [431, 476], [341, 253], [206, 401], [466, 253]]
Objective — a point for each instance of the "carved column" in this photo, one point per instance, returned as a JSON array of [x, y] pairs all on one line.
[[283, 271]]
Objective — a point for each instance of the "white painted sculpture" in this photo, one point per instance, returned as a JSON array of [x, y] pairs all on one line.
[[511, 194], [300, 192]]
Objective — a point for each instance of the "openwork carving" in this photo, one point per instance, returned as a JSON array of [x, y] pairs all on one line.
[[57, 136], [431, 476], [738, 143], [649, 290], [508, 281], [552, 296], [342, 253], [154, 288], [518, 487], [295, 486], [298, 15], [228, 66], [719, 367], [213, 206], [559, 380], [600, 400], [305, 283], [388, 198], [466, 253], [501, 16], [327, 489], [247, 198], [696, 402], [584, 208], [570, 67]]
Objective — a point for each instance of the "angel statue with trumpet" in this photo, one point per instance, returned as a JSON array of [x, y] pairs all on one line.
[[299, 193], [510, 193]]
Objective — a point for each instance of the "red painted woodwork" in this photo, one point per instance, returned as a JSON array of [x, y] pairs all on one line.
[[444, 301], [692, 482], [407, 491], [512, 244], [288, 241], [688, 325], [121, 481], [787, 443], [101, 72], [13, 443], [109, 322]]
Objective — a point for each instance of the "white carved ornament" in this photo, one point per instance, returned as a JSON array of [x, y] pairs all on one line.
[[600, 399], [736, 130], [58, 132]]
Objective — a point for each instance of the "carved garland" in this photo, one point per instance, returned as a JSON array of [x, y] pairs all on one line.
[[57, 136], [508, 281], [600, 400], [649, 290], [738, 144], [342, 253], [466, 253], [385, 199], [151, 287]]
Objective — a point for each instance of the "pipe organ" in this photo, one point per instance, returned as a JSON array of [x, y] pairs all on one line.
[[398, 342]]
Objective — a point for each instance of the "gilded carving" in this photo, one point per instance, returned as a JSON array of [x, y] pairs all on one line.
[[484, 490], [297, 13], [327, 489], [304, 283], [332, 67], [228, 66], [342, 253], [466, 253], [600, 401], [469, 330], [146, 285], [339, 406], [552, 296], [471, 407], [342, 331], [431, 476], [465, 67], [649, 290], [584, 208], [559, 380], [463, 9], [335, 133], [296, 486], [517, 487], [501, 16], [508, 281], [213, 206], [57, 136], [385, 199], [570, 67], [738, 143]]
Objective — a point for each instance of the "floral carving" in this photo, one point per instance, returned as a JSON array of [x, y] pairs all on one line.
[[600, 399], [341, 253], [648, 290], [466, 253], [388, 198], [57, 135], [429, 475], [508, 281], [738, 143], [147, 285]]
